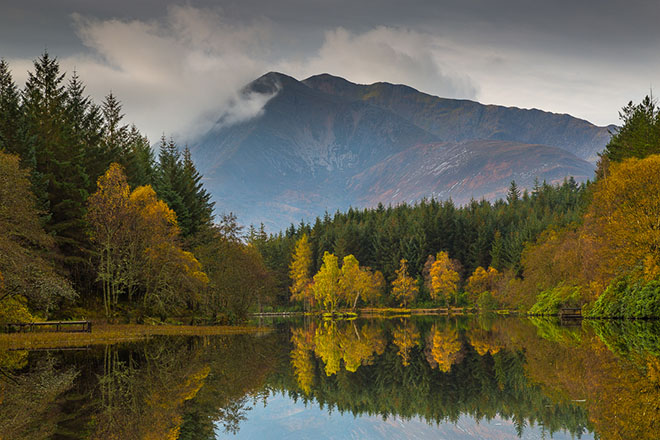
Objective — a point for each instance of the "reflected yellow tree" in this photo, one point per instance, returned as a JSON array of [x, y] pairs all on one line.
[[301, 357], [484, 341], [405, 336], [443, 348]]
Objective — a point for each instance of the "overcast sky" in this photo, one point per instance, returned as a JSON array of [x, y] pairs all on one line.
[[177, 66]]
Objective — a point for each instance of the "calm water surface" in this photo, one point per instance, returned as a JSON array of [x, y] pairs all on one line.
[[430, 377]]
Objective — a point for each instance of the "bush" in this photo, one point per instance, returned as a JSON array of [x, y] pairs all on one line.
[[550, 301], [628, 298]]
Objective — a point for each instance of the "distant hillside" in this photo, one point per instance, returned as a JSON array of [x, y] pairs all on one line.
[[458, 120], [463, 171], [325, 144]]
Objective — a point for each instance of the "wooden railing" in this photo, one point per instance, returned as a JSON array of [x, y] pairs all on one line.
[[65, 326]]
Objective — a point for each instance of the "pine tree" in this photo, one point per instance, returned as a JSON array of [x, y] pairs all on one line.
[[195, 198], [170, 182], [84, 129], [140, 162], [10, 115], [59, 176]]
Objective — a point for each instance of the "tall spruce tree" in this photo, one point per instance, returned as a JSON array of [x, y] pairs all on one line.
[[59, 176], [10, 114], [84, 125], [170, 182], [196, 199]]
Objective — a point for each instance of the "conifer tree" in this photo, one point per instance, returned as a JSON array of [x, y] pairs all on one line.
[[169, 182], [59, 177], [10, 116]]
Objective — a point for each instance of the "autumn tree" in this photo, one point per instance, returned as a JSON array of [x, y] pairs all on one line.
[[238, 277], [482, 281], [326, 283], [444, 279], [136, 235], [111, 219], [172, 278], [300, 272], [404, 287], [626, 209], [357, 282]]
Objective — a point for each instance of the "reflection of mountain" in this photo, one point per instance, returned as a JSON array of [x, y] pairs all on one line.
[[325, 143]]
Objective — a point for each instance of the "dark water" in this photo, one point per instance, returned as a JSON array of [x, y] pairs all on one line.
[[431, 377]]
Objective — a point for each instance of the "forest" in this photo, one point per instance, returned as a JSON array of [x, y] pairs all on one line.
[[94, 223]]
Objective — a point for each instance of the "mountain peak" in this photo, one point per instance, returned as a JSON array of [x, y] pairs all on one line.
[[271, 82]]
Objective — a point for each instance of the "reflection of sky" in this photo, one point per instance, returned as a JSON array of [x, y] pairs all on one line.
[[282, 418]]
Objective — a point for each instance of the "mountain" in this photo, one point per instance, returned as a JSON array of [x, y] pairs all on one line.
[[459, 120], [326, 144]]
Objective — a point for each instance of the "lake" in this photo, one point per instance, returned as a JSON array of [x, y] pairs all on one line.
[[461, 378]]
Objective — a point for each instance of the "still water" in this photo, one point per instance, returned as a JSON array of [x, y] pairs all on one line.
[[426, 377]]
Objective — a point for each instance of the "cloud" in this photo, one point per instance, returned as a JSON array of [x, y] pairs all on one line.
[[180, 74], [395, 55]]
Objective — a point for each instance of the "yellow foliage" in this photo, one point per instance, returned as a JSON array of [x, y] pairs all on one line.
[[444, 279], [404, 287], [481, 281], [626, 210], [301, 358], [326, 283], [356, 282], [299, 270], [484, 342], [326, 346], [445, 348], [405, 336]]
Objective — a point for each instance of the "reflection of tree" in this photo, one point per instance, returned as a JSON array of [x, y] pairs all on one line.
[[301, 358], [356, 346], [361, 345], [142, 394], [443, 348], [405, 336], [484, 341], [28, 399]]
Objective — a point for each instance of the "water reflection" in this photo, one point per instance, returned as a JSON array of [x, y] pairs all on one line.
[[532, 377]]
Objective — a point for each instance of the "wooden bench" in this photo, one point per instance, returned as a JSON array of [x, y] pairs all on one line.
[[570, 312], [78, 326]]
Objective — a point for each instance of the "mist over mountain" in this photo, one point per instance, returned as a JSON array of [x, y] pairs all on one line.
[[326, 144]]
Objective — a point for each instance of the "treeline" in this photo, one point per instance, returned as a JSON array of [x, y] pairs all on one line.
[[479, 235], [91, 217], [595, 245]]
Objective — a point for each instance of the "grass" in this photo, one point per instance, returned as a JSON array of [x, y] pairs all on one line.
[[112, 334]]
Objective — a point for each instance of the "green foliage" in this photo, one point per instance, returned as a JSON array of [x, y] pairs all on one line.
[[628, 298], [550, 301], [477, 234], [639, 135]]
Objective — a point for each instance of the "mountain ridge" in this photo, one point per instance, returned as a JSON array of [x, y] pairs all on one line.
[[325, 143]]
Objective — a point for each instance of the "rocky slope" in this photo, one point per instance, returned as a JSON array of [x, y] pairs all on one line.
[[325, 144]]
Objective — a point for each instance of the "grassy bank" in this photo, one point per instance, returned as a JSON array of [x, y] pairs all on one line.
[[111, 334]]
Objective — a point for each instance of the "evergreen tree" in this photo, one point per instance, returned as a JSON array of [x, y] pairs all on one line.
[[59, 176], [84, 129], [9, 112], [639, 136], [170, 182], [195, 198]]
